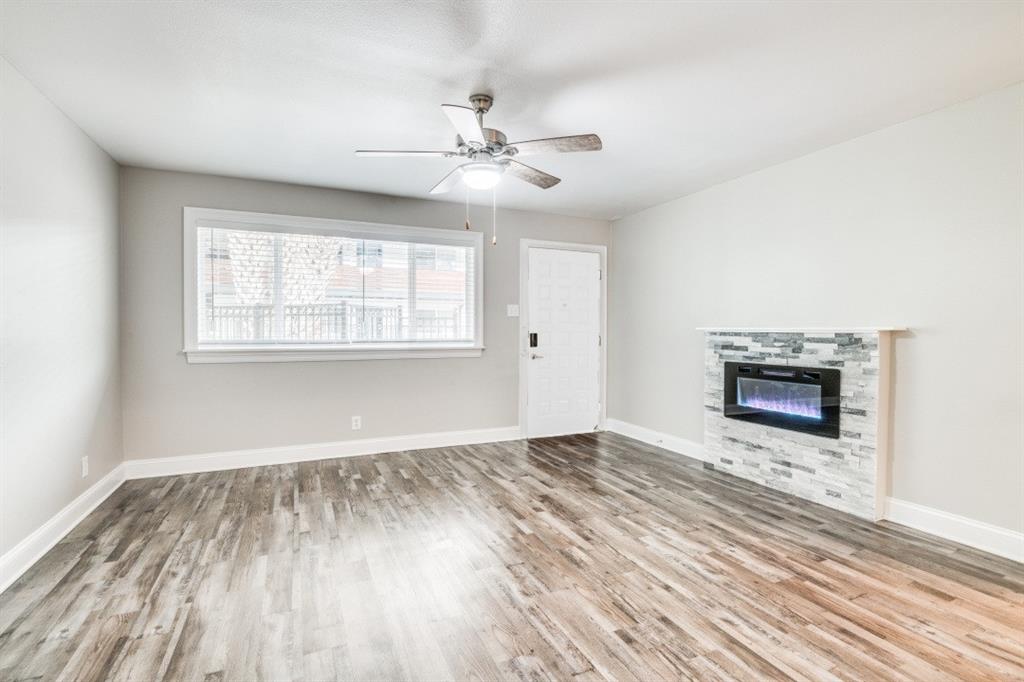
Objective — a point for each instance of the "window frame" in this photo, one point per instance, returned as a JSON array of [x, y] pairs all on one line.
[[196, 352]]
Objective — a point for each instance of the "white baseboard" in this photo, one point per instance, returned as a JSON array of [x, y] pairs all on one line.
[[238, 459], [15, 562], [20, 558], [662, 440], [984, 536]]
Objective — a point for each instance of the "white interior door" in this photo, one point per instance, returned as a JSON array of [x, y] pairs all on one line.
[[564, 367]]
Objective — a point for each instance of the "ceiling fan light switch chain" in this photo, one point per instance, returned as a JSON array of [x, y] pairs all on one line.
[[494, 217]]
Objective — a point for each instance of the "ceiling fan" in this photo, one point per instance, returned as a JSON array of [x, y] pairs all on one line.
[[488, 153]]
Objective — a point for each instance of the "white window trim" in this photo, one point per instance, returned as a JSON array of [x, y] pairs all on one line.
[[271, 222]]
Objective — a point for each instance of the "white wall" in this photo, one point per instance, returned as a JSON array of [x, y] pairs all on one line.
[[59, 399], [919, 224], [172, 408]]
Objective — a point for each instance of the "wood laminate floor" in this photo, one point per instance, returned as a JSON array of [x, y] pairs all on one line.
[[580, 558]]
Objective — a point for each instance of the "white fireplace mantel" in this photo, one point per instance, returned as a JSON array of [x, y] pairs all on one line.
[[804, 329]]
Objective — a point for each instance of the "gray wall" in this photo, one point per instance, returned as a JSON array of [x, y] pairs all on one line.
[[173, 408], [59, 399], [919, 225]]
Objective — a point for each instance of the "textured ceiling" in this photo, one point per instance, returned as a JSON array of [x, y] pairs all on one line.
[[685, 95]]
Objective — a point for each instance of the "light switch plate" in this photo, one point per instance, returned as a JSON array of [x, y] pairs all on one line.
[[512, 310]]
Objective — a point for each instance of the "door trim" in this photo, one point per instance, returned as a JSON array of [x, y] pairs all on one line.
[[524, 321]]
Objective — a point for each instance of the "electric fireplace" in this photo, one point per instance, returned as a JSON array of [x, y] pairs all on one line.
[[797, 398]]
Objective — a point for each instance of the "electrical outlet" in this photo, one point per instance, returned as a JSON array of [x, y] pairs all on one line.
[[357, 423], [85, 467]]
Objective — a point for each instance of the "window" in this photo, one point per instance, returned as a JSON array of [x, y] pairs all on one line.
[[436, 257], [369, 254], [275, 288]]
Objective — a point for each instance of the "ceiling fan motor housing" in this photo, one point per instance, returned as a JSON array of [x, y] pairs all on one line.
[[494, 138], [496, 142]]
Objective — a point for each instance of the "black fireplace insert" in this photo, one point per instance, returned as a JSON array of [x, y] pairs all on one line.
[[798, 398]]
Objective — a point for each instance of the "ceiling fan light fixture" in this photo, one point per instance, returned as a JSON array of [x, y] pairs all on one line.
[[488, 152], [482, 175]]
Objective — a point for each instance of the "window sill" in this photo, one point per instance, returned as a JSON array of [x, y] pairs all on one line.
[[234, 354]]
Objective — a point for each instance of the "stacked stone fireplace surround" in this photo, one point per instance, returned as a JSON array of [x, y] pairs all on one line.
[[848, 473]]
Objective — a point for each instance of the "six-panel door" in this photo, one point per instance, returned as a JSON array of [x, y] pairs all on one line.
[[563, 370]]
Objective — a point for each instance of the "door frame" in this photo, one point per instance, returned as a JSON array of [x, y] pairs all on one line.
[[524, 322]]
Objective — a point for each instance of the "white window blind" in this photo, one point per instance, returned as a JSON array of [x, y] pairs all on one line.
[[342, 286]]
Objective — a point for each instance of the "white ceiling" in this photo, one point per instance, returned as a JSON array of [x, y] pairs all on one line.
[[684, 95]]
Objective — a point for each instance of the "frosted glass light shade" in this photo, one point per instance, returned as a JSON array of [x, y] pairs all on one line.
[[482, 175]]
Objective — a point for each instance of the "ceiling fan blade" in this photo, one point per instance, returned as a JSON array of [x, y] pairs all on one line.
[[448, 182], [570, 143], [465, 122], [395, 152], [532, 175]]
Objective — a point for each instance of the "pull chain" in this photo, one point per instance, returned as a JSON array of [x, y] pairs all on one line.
[[494, 217], [467, 208]]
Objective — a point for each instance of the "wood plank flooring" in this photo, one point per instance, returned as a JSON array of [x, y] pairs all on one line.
[[580, 558]]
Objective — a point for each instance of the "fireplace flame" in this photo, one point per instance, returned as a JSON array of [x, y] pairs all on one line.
[[795, 406]]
